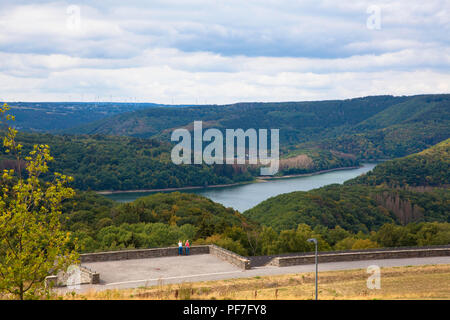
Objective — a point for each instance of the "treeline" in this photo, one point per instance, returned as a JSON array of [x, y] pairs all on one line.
[[308, 160], [270, 242]]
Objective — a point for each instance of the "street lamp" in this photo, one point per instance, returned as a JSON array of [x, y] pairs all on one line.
[[314, 240]]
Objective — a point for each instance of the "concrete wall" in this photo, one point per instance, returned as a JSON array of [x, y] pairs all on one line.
[[354, 256], [230, 257], [139, 254]]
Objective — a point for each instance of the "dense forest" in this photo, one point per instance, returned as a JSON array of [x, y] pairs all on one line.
[[376, 127], [401, 191], [430, 167], [355, 208], [157, 220], [123, 163], [330, 206], [350, 216], [405, 201], [162, 219], [314, 136], [297, 121]]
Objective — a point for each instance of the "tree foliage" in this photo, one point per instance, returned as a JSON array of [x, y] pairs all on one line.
[[33, 244]]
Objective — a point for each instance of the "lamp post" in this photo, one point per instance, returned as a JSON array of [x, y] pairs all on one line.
[[314, 240]]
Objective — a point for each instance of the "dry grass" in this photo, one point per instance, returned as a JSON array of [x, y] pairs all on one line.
[[415, 282]]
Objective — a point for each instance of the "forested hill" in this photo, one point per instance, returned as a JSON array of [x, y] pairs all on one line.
[[123, 163], [410, 189], [296, 120], [314, 136], [377, 118], [154, 221], [100, 162], [400, 130], [430, 167], [353, 216], [57, 116]]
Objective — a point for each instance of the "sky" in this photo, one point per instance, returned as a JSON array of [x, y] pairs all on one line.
[[222, 51]]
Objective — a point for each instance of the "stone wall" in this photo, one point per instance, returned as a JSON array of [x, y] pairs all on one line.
[[89, 276], [74, 276], [221, 253], [229, 256], [355, 256], [139, 254]]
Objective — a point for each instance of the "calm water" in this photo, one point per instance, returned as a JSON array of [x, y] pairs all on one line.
[[246, 196]]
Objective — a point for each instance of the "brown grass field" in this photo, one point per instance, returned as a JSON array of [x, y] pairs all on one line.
[[411, 282]]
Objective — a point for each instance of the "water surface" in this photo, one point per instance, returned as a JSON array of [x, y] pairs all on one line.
[[243, 197]]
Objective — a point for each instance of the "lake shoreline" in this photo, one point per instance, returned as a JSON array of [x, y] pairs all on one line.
[[259, 179], [305, 174]]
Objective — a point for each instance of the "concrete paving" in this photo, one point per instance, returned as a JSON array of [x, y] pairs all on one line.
[[152, 269], [147, 272]]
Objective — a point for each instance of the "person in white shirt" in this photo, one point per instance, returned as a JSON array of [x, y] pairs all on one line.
[[180, 247]]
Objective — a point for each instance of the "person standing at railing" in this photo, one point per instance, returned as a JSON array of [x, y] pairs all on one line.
[[180, 247], [187, 247]]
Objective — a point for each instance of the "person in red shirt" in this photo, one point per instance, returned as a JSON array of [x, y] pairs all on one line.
[[186, 245]]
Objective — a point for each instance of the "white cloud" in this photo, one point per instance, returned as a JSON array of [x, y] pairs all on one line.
[[222, 51]]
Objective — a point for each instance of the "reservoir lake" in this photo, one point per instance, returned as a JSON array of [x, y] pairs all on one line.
[[245, 196]]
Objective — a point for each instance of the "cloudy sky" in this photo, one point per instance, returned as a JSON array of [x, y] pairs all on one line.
[[222, 51]]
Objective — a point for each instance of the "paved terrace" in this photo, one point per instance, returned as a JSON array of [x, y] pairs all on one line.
[[135, 273]]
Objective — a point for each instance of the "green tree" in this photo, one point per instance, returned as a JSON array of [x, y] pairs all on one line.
[[364, 244], [33, 244], [345, 244], [391, 235]]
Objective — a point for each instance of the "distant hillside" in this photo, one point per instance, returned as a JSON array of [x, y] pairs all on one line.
[[297, 121], [123, 163], [391, 142], [368, 128], [354, 208], [57, 116], [314, 136], [415, 109], [100, 162]]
